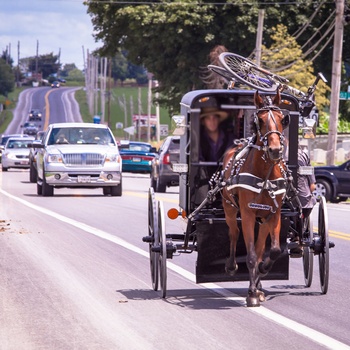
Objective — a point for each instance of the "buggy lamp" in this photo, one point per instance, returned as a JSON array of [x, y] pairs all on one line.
[[174, 213], [180, 168], [306, 170]]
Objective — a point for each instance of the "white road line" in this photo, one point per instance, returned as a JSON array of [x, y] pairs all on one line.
[[285, 322]]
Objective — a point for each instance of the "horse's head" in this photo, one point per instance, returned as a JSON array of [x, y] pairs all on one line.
[[269, 123]]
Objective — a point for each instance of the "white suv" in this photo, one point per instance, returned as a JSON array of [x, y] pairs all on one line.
[[83, 155]]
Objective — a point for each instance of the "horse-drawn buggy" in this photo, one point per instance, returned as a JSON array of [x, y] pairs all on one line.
[[242, 211]]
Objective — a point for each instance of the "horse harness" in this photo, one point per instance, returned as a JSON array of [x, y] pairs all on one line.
[[238, 179]]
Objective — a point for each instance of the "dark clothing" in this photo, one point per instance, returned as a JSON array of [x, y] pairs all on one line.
[[307, 199], [211, 151]]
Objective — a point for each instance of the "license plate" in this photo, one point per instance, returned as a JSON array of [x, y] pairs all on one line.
[[84, 179], [137, 160], [24, 162]]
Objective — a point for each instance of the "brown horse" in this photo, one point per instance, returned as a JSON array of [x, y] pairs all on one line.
[[256, 181]]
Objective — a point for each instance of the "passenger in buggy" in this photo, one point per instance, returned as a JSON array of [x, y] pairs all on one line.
[[216, 137], [214, 140]]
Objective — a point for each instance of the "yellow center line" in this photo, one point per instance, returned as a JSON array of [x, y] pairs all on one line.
[[47, 110]]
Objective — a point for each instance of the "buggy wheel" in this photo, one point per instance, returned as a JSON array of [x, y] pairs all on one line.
[[247, 72], [308, 256], [323, 257], [163, 251], [154, 238]]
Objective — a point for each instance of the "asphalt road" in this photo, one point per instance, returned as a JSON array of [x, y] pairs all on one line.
[[75, 275]]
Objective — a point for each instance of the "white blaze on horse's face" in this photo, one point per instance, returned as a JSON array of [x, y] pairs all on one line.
[[272, 128], [269, 126]]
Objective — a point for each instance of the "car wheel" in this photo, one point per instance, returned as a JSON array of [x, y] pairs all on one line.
[[160, 187], [106, 191], [116, 191], [339, 199], [32, 173], [4, 169], [47, 189], [39, 189], [323, 188], [153, 182]]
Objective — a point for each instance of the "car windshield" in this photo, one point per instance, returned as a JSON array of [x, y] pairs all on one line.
[[77, 135], [18, 143], [139, 148]]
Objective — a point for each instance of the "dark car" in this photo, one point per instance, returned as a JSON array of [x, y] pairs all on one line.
[[162, 175], [333, 182], [55, 84], [30, 128], [137, 156], [34, 114]]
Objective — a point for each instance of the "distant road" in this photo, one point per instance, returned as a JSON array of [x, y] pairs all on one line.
[[56, 105]]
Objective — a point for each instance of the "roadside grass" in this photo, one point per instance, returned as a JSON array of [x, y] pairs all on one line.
[[7, 115], [135, 100]]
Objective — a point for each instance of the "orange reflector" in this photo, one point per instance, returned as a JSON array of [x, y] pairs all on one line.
[[173, 213], [286, 102]]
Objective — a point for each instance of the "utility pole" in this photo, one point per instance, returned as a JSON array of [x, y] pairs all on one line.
[[335, 84], [17, 75], [36, 60], [259, 35]]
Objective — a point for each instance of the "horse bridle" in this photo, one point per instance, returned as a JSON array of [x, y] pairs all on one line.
[[264, 137]]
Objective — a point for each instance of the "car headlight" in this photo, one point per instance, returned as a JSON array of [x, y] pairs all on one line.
[[10, 156], [113, 157], [54, 158]]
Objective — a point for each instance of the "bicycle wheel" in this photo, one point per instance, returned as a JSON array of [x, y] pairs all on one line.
[[221, 71], [248, 72]]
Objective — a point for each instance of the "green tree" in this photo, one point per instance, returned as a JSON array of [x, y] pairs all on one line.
[[7, 78], [47, 64], [68, 67], [285, 57], [75, 75], [173, 39]]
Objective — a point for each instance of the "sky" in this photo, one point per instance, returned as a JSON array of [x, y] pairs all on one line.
[[55, 25]]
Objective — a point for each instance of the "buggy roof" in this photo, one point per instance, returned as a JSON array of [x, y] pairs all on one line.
[[234, 99]]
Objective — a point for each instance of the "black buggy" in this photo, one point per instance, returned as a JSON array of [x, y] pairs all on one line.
[[200, 203]]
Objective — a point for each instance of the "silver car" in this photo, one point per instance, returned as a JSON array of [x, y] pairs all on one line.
[[83, 155], [16, 153]]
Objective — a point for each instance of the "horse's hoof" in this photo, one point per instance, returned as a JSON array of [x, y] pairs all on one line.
[[252, 301], [262, 272], [231, 270], [261, 296]]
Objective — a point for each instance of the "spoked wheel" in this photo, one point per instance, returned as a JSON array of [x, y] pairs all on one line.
[[323, 256], [247, 72], [163, 251], [308, 256], [154, 238], [221, 71]]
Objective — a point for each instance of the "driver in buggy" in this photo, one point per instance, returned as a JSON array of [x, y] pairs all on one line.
[[216, 137]]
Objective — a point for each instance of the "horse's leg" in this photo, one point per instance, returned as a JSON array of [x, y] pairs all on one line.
[[273, 227], [248, 225], [231, 219]]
